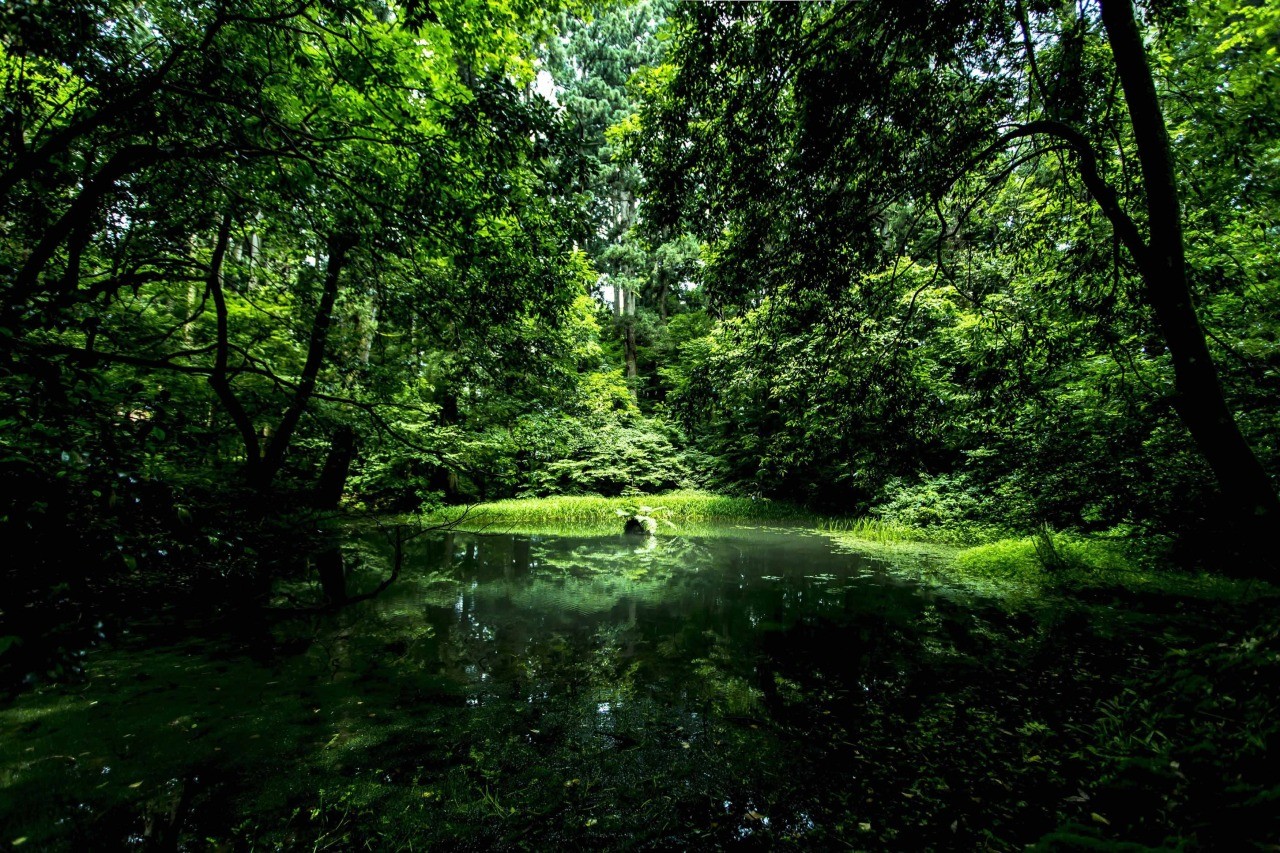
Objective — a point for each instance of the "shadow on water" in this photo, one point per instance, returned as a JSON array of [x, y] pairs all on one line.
[[751, 687]]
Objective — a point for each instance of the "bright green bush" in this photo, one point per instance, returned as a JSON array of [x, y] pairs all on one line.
[[946, 507]]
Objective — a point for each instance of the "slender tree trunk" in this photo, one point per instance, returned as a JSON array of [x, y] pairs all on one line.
[[630, 347], [188, 326], [1199, 397], [76, 244], [660, 278], [367, 334], [332, 573], [219, 379], [273, 456], [629, 334]]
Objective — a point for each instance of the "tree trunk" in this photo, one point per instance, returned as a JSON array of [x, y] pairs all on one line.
[[367, 334], [660, 278], [273, 457], [219, 379], [337, 465], [1199, 398], [630, 348]]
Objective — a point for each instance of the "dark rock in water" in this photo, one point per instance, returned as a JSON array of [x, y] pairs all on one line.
[[640, 525]]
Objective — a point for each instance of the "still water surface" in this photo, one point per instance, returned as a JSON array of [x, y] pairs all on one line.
[[742, 687]]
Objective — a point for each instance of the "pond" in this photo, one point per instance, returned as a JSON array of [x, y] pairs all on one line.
[[471, 690]]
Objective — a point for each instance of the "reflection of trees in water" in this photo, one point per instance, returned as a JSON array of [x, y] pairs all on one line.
[[537, 615], [381, 554], [747, 683], [727, 625], [661, 555], [365, 606], [534, 614]]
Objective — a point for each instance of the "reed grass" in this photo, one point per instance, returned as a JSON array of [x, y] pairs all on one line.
[[594, 511], [868, 529]]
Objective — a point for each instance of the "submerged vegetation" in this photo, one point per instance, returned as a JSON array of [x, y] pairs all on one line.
[[930, 353]]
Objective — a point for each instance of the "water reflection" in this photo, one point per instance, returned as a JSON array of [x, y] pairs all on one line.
[[332, 574], [546, 691], [711, 619]]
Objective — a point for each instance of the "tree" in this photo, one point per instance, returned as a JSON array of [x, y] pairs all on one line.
[[591, 65], [346, 155], [811, 142]]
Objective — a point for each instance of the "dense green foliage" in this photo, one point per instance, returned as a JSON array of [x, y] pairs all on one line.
[[397, 254], [923, 302], [875, 259]]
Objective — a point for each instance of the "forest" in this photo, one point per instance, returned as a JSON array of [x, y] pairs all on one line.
[[639, 424]]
